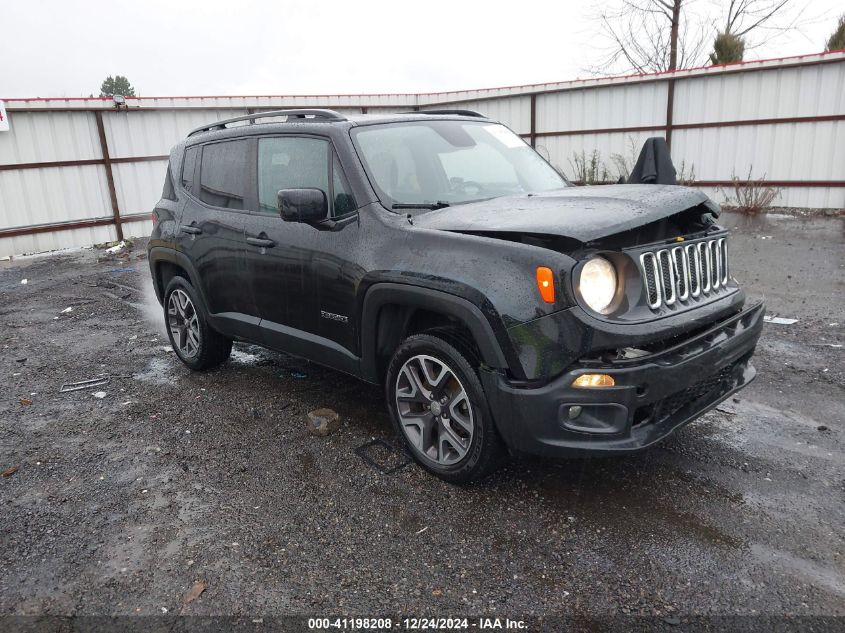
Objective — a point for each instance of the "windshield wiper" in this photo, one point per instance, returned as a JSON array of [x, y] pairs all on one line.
[[440, 204]]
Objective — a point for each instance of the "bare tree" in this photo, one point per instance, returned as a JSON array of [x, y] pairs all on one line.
[[764, 19], [650, 35], [658, 35]]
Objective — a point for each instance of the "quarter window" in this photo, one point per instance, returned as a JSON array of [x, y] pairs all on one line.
[[222, 174], [343, 201], [188, 167]]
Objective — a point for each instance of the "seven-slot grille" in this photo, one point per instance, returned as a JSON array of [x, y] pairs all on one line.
[[685, 272]]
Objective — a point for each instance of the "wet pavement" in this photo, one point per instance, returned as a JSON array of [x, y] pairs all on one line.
[[121, 503]]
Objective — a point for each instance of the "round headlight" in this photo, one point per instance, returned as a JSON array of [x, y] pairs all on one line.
[[598, 283]]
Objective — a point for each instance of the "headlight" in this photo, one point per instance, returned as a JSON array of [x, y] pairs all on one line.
[[598, 283]]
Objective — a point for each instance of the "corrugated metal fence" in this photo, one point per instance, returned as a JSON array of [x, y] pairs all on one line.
[[78, 171]]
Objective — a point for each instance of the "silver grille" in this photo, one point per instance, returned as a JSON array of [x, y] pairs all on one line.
[[689, 272]]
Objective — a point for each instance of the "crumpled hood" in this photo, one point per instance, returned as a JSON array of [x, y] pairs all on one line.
[[581, 213]]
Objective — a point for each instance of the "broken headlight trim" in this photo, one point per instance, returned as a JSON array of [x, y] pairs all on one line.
[[597, 284]]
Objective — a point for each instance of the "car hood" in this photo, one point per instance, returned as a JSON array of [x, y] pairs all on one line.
[[580, 213]]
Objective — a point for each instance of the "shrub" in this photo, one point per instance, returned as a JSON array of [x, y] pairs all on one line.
[[589, 169], [751, 196], [625, 163], [686, 178]]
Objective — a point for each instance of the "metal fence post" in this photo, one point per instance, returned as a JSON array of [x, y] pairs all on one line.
[[104, 148], [670, 106]]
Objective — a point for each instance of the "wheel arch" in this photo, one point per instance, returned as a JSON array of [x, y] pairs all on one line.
[[165, 264], [391, 311]]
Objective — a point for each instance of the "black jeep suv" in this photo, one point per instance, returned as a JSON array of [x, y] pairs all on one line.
[[437, 254]]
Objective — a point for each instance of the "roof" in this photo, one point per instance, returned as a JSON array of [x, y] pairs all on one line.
[[318, 117]]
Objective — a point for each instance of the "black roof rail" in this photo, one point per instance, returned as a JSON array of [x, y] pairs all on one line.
[[457, 112], [301, 113]]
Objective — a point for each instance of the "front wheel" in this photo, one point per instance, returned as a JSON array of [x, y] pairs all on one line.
[[194, 341], [439, 409]]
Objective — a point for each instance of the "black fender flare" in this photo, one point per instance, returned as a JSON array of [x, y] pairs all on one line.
[[159, 254], [385, 293]]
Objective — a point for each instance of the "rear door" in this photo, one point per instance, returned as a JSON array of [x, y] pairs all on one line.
[[211, 230]]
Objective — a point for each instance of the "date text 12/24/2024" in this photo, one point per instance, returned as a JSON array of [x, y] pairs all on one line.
[[415, 624]]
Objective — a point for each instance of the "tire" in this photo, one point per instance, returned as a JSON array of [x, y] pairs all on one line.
[[444, 421], [198, 346]]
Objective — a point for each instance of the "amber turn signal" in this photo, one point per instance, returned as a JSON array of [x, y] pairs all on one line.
[[546, 284], [594, 380]]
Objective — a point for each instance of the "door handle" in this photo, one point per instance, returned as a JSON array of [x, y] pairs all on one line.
[[261, 241], [190, 228]]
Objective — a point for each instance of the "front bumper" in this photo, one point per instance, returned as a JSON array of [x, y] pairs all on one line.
[[654, 394]]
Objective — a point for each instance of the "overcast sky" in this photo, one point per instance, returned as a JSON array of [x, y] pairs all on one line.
[[169, 48]]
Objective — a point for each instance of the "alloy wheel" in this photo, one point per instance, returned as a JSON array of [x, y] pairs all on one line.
[[183, 321], [434, 410]]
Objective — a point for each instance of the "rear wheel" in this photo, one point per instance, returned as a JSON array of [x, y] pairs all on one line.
[[194, 341], [440, 411]]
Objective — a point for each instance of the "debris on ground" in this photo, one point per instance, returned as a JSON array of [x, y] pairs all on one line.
[[821, 427], [121, 245], [99, 394], [25, 402], [24, 282], [122, 270], [10, 471], [831, 345], [195, 591], [84, 384], [725, 410], [66, 310], [322, 422], [779, 320], [298, 375]]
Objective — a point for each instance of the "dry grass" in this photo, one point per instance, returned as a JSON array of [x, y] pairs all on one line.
[[751, 196]]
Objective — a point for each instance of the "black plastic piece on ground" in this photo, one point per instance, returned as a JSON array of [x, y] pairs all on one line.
[[363, 452]]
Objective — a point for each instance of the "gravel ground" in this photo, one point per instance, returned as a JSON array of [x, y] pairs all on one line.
[[120, 504]]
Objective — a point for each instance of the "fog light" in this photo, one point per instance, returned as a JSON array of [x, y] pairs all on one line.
[[574, 412], [594, 380]]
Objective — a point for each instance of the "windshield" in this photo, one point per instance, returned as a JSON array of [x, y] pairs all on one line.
[[437, 163]]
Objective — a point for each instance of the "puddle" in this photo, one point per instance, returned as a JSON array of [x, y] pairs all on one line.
[[244, 358], [159, 371], [808, 571], [618, 505]]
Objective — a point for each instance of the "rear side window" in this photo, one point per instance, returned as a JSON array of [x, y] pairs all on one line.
[[188, 166], [168, 192], [222, 174]]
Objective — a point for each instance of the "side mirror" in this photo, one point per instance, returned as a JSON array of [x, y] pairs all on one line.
[[303, 205]]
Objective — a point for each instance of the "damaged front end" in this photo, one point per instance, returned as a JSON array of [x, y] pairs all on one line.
[[647, 397], [653, 332]]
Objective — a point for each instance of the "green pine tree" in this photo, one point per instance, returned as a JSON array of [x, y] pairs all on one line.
[[117, 85], [837, 38], [727, 48]]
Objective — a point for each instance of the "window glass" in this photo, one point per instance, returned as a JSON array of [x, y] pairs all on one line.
[[425, 162], [343, 201], [188, 167], [167, 191], [290, 163], [222, 177]]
